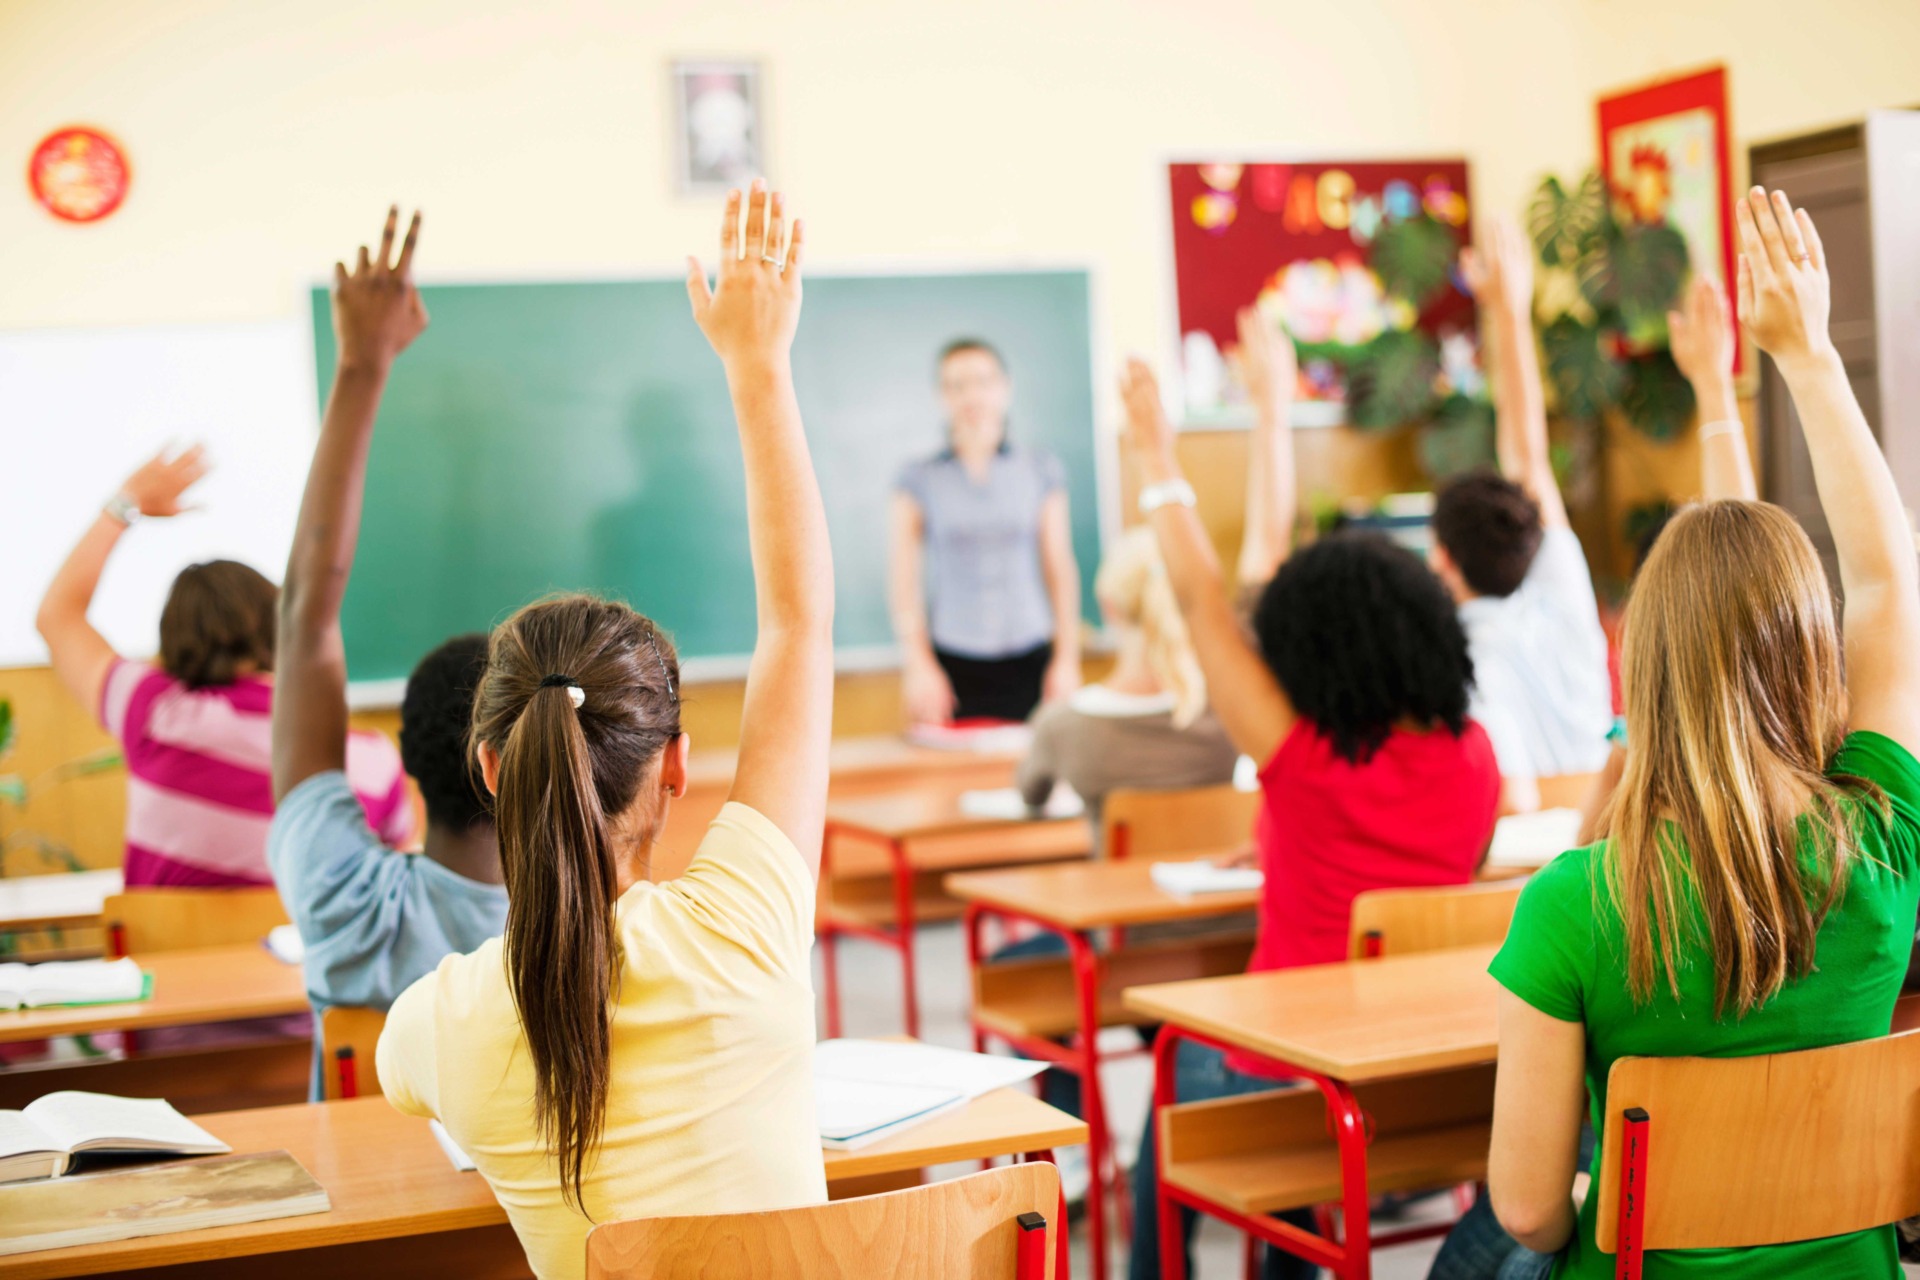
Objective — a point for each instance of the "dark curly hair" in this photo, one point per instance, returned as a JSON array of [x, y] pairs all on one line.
[[1490, 529], [435, 713], [218, 623], [1362, 636]]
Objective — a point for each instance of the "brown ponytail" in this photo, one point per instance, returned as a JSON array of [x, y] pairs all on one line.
[[569, 778]]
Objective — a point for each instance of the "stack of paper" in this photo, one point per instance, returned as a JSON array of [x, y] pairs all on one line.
[[31, 986], [869, 1090], [1009, 804], [1203, 875], [1533, 839], [989, 737]]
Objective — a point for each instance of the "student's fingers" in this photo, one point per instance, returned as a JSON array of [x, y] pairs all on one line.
[[1473, 270], [1816, 251], [776, 226], [387, 234], [1789, 229], [1768, 228], [339, 276], [363, 264], [404, 267], [795, 239], [1752, 252], [1713, 304], [1743, 287], [757, 219], [1246, 322], [697, 291], [730, 230]]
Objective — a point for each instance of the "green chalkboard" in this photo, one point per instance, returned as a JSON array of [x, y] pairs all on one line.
[[543, 437]]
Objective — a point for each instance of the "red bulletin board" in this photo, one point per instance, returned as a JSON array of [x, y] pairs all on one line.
[[1293, 237]]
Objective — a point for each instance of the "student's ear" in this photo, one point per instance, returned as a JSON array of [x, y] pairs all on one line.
[[1447, 571], [673, 766], [489, 767]]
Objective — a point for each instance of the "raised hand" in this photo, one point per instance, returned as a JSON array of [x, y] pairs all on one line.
[[1265, 361], [157, 487], [1783, 286], [1500, 272], [376, 309], [1701, 334], [751, 314], [1148, 433]]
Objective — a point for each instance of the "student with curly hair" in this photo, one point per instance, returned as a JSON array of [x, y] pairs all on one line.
[[1353, 696], [372, 920]]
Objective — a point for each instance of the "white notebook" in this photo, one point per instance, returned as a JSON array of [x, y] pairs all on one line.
[[868, 1090], [461, 1160], [1008, 803], [41, 1139], [286, 944], [32, 986], [1533, 839], [1203, 875]]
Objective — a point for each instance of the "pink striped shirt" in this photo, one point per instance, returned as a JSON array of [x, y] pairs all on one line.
[[199, 787]]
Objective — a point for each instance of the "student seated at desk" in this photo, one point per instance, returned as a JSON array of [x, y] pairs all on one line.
[[373, 921], [193, 724], [633, 1049], [1759, 869], [1504, 548], [1355, 702]]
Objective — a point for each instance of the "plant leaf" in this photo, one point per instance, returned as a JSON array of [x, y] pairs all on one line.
[[1563, 223], [1458, 439], [1649, 263], [6, 725], [1390, 382], [1656, 396], [13, 788], [1586, 378], [1414, 258]]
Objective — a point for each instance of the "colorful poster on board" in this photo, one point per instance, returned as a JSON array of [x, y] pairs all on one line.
[[1293, 237], [1664, 154]]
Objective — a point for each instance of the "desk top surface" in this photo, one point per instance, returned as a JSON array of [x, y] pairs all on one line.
[[1092, 895], [207, 984]]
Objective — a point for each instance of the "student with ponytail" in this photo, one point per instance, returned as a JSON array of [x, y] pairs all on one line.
[[632, 1049]]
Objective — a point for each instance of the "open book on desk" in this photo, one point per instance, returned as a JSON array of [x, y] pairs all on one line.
[[42, 1139], [869, 1090], [1203, 876], [1007, 803], [66, 982]]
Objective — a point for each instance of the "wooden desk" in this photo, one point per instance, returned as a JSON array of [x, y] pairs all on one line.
[[68, 900], [400, 1207], [208, 984], [1365, 1023], [880, 865], [1033, 1004]]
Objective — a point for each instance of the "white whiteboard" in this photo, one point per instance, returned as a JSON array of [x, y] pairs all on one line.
[[81, 408]]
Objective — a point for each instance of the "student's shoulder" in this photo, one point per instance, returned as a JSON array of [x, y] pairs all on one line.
[[1566, 885]]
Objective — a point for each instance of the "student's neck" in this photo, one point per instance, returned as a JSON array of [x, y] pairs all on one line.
[[1132, 673], [474, 853]]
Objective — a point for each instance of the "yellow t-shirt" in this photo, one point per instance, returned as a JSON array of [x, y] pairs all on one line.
[[710, 1108]]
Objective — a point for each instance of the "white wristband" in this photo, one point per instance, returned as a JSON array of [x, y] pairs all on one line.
[[1723, 427], [1156, 496], [123, 508]]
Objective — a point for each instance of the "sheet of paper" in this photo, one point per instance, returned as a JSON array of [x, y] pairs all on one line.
[[461, 1160], [1533, 839], [285, 943], [904, 1062], [1202, 875], [77, 1119], [1009, 804]]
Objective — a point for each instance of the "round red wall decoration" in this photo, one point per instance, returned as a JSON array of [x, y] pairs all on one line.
[[79, 174]]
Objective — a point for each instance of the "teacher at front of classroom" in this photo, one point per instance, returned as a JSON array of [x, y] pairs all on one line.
[[984, 589]]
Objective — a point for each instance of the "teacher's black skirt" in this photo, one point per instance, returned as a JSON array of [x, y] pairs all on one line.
[[996, 688]]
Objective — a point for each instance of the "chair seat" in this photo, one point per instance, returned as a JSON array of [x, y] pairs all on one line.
[[1035, 996]]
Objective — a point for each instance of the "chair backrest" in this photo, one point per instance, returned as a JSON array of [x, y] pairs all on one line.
[[1734, 1152], [1186, 823], [972, 1228], [348, 1035], [147, 920], [1403, 921]]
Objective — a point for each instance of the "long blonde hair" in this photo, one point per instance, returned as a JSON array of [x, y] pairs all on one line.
[[1133, 589], [1736, 703]]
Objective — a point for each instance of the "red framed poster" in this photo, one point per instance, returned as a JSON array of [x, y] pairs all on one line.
[[1666, 157], [1292, 238], [78, 174]]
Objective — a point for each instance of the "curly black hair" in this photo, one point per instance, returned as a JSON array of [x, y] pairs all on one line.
[[435, 714], [1362, 636], [1490, 529]]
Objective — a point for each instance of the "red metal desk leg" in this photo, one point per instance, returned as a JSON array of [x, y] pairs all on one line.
[[1086, 985]]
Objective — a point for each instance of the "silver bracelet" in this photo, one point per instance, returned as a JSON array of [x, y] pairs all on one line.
[[1176, 491], [123, 508], [1721, 427]]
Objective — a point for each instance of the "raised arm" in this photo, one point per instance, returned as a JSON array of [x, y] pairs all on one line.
[[1062, 574], [1266, 363], [1701, 333], [81, 655], [376, 313], [750, 318], [1784, 302], [1500, 274], [1245, 695]]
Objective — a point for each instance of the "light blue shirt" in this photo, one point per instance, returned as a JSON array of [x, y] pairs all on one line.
[[373, 920], [986, 591]]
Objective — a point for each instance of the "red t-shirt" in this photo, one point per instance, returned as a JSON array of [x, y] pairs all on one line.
[[1419, 812]]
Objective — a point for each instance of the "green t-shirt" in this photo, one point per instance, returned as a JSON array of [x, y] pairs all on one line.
[[1569, 962]]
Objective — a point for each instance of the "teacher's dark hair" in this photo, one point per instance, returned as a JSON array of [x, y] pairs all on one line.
[[567, 788], [960, 346]]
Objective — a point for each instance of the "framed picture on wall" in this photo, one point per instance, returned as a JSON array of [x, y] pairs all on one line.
[[1346, 257], [718, 138], [1664, 155]]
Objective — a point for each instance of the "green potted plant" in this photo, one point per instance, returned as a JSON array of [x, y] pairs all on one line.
[[16, 790]]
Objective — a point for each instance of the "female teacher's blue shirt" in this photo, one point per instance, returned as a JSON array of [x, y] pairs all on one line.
[[986, 594]]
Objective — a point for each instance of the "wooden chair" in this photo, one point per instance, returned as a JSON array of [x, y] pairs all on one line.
[[1188, 823], [1003, 1224], [1405, 921], [348, 1037], [143, 920], [1722, 1153]]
